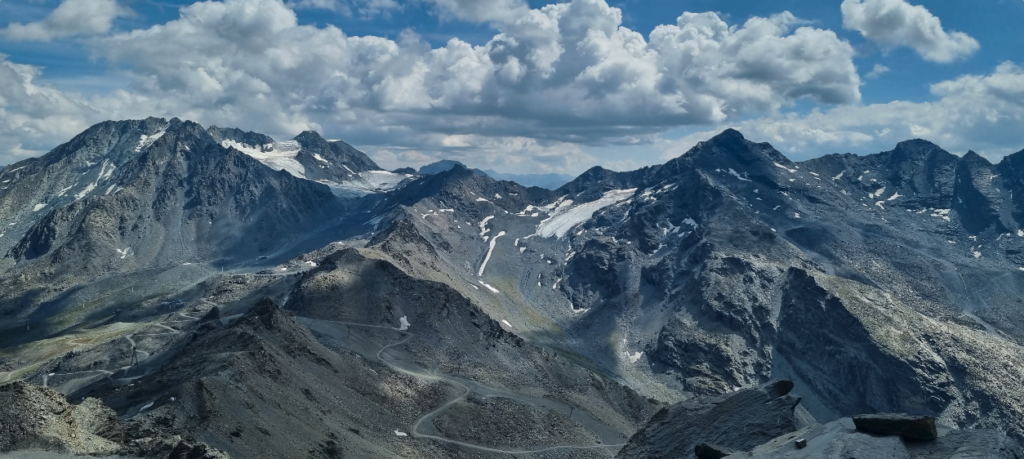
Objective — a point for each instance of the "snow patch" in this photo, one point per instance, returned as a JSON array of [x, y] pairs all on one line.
[[634, 356], [123, 252], [277, 155], [738, 176], [146, 140], [65, 190], [38, 207], [564, 218], [317, 157], [400, 433], [365, 183], [85, 191], [485, 284], [483, 225], [489, 250], [505, 322], [895, 196], [941, 213], [104, 172], [403, 323], [780, 166]]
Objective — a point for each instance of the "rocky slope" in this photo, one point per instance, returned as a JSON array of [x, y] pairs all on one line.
[[39, 419], [861, 278], [883, 283]]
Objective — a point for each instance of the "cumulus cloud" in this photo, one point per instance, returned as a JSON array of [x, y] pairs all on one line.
[[894, 23], [481, 10], [71, 18], [567, 72], [973, 112], [551, 87], [31, 116]]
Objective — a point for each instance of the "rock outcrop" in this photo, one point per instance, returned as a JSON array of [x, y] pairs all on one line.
[[40, 419], [732, 427], [738, 421]]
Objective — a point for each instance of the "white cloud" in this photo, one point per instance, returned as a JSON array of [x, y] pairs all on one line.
[[31, 116], [877, 71], [894, 23], [366, 8], [71, 18], [567, 72], [481, 10], [979, 112], [554, 89]]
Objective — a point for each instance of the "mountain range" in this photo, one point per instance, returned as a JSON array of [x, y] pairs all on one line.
[[550, 181], [281, 298]]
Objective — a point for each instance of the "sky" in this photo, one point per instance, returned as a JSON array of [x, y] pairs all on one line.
[[524, 86]]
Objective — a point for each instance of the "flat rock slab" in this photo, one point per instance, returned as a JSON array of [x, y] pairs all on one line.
[[920, 428]]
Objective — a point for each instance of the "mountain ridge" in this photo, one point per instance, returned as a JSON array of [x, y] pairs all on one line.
[[890, 282]]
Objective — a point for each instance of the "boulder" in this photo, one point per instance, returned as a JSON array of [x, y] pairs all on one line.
[[920, 428]]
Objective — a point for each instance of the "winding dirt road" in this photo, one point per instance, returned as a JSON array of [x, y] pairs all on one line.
[[609, 437]]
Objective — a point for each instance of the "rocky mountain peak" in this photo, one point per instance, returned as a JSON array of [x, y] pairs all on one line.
[[975, 159], [918, 150], [311, 139]]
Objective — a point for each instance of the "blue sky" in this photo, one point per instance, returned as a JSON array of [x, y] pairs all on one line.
[[524, 86]]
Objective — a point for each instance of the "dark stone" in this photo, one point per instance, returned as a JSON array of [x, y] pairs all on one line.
[[712, 451], [801, 443], [908, 427], [740, 420]]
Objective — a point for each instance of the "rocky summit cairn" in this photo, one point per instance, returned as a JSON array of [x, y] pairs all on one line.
[[920, 428]]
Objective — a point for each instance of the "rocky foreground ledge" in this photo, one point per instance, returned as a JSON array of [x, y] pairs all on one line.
[[769, 423], [34, 418]]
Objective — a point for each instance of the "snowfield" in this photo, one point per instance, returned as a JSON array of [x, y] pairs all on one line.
[[277, 155], [489, 251], [565, 217], [366, 182]]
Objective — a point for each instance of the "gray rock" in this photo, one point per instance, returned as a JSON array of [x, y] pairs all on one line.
[[840, 440], [737, 421], [909, 427]]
